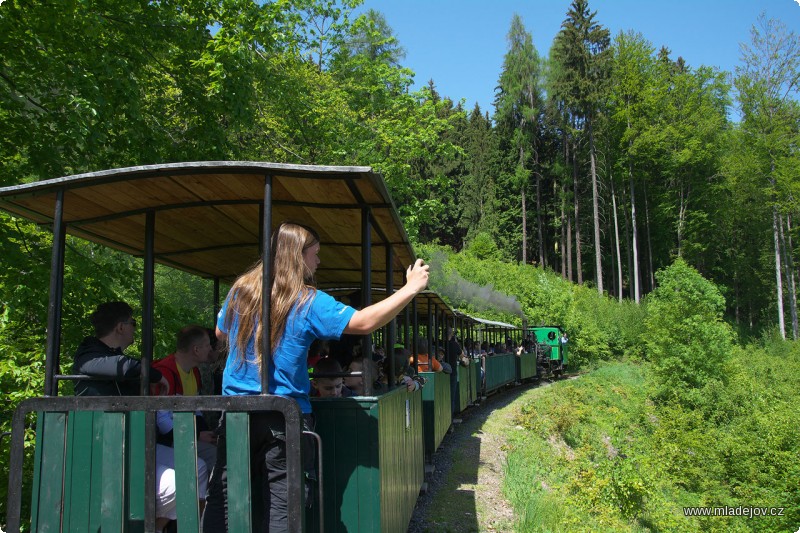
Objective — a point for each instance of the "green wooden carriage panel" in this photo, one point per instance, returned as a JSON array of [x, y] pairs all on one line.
[[90, 465], [82, 467], [402, 466], [51, 430], [500, 370], [73, 473], [466, 385], [134, 469], [436, 409], [526, 365], [477, 377], [373, 457], [237, 438], [112, 505], [184, 431]]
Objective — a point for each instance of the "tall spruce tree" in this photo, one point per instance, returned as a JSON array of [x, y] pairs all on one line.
[[581, 48], [478, 192], [519, 107]]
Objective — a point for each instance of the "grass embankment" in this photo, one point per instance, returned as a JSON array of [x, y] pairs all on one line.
[[594, 454]]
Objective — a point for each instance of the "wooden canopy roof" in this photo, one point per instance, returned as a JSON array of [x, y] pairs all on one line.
[[493, 325], [208, 214]]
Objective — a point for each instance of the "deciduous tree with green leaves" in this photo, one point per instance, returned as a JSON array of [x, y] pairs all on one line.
[[685, 336], [768, 83]]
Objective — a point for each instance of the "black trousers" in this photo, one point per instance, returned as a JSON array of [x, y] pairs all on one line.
[[268, 457]]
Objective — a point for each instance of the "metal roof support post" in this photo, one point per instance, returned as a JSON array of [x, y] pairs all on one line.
[[474, 335], [261, 217], [294, 460], [443, 331], [406, 325], [53, 357], [437, 324], [524, 328], [431, 331], [366, 294], [415, 334], [391, 327], [148, 288], [216, 301], [266, 294]]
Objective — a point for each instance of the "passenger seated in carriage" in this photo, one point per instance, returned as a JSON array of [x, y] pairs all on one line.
[[366, 367], [181, 370], [328, 387], [446, 368], [425, 363], [403, 374], [102, 356]]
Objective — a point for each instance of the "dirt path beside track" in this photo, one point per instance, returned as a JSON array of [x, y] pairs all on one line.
[[465, 492]]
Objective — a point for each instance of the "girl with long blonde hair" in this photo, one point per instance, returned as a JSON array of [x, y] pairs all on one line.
[[299, 314]]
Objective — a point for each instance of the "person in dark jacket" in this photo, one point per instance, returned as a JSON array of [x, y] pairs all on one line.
[[102, 355], [452, 354]]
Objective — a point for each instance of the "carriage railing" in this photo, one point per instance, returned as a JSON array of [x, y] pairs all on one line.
[[55, 412]]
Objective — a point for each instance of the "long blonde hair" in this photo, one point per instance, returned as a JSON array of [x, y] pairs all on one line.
[[292, 284]]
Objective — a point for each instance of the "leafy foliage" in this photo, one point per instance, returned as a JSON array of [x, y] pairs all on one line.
[[594, 453], [685, 336]]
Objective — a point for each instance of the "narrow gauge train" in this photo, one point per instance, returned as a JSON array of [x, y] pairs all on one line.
[[210, 219]]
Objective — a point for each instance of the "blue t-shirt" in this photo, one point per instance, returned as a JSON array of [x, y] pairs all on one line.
[[321, 317]]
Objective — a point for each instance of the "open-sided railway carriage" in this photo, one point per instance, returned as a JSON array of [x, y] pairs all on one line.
[[210, 219]]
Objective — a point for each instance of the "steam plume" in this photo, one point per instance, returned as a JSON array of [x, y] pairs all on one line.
[[462, 292]]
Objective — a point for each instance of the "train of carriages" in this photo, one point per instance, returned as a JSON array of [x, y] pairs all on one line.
[[94, 456]]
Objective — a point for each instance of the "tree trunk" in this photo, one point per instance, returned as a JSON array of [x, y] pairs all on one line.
[[683, 206], [616, 236], [598, 263], [524, 228], [778, 276], [563, 229], [788, 269], [569, 219], [635, 240], [790, 258], [539, 217], [649, 240], [626, 221], [578, 259], [524, 214]]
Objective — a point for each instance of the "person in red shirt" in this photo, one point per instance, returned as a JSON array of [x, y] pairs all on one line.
[[193, 347]]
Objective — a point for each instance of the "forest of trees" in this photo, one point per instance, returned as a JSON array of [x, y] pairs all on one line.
[[603, 160]]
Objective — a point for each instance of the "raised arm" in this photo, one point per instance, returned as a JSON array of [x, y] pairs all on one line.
[[371, 318]]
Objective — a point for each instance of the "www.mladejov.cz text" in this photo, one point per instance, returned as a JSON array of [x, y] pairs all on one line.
[[740, 510]]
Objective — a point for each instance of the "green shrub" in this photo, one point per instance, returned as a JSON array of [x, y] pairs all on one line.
[[685, 337]]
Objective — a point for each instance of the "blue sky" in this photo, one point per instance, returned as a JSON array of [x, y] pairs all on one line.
[[461, 43]]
